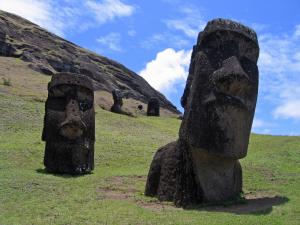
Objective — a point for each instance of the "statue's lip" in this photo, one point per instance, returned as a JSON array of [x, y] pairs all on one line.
[[72, 123], [226, 98], [237, 100], [231, 77], [73, 143]]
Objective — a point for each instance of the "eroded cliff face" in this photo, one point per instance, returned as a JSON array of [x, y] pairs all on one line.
[[49, 54]]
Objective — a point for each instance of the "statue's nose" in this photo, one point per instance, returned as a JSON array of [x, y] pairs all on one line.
[[231, 78], [72, 127]]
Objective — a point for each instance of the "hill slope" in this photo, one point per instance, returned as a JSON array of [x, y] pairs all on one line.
[[113, 194], [48, 53]]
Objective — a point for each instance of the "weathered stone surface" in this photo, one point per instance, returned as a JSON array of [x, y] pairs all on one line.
[[162, 174], [69, 125], [219, 101], [118, 101], [49, 54], [153, 107]]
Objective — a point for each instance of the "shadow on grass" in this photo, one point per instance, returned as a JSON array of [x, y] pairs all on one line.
[[254, 206], [44, 171]]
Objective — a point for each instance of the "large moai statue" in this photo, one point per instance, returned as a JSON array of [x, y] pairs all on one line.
[[69, 125], [219, 102], [153, 107]]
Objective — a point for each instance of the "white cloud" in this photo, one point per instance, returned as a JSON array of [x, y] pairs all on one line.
[[289, 109], [261, 127], [258, 123], [108, 10], [67, 15], [111, 41], [294, 134], [165, 38], [168, 68], [276, 54], [297, 31], [131, 32], [265, 131], [190, 24], [279, 65], [258, 27], [37, 11]]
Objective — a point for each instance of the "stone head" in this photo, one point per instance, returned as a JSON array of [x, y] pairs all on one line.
[[221, 91], [153, 107], [69, 124], [117, 96]]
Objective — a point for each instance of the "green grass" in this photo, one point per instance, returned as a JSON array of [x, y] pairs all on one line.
[[113, 194]]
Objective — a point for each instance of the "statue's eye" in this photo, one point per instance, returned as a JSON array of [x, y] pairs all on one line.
[[59, 91], [57, 104], [85, 105]]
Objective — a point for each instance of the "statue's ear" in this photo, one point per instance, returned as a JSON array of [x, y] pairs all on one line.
[[44, 130], [186, 92], [44, 135]]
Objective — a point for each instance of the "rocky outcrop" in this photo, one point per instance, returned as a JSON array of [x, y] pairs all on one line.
[[48, 53]]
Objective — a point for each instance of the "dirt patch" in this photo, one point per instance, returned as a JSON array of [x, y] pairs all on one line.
[[115, 194], [158, 206], [124, 188], [121, 187], [131, 196]]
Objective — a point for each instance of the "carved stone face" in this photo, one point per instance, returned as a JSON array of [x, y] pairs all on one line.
[[69, 124], [118, 101], [221, 91], [117, 96], [153, 107]]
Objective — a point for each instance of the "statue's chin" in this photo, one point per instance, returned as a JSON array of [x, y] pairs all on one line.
[[236, 125], [227, 133], [75, 145], [69, 157]]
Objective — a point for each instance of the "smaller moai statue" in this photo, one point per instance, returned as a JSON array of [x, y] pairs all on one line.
[[118, 101], [153, 107], [69, 125]]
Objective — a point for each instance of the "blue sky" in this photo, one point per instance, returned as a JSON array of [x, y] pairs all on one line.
[[154, 39]]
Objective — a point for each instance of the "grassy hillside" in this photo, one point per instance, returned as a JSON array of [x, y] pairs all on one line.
[[21, 80], [113, 194]]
